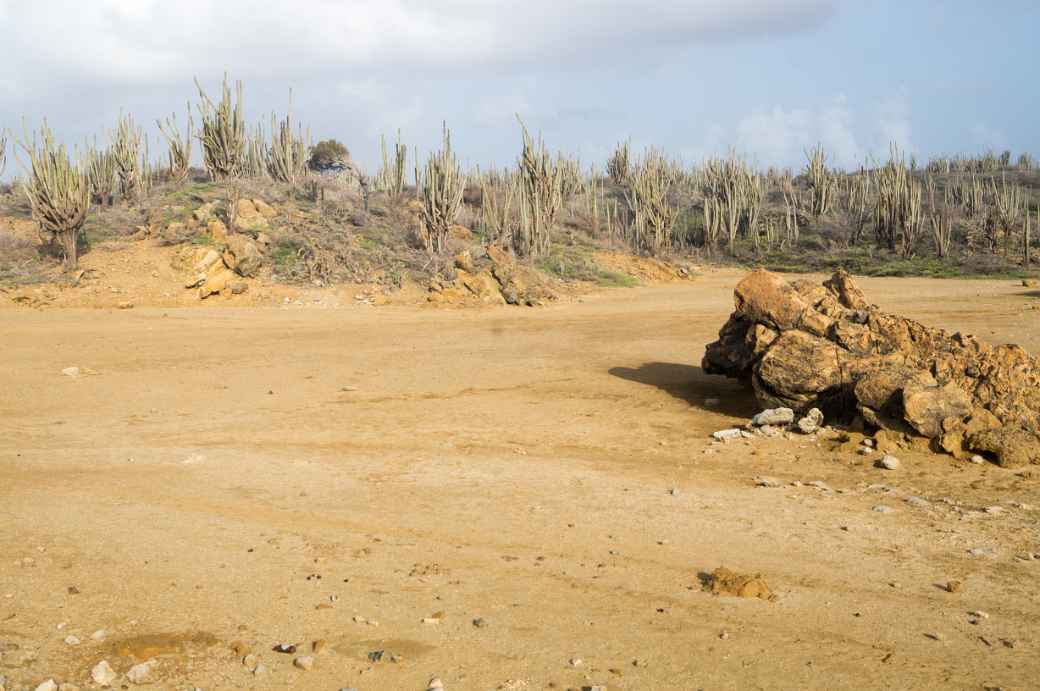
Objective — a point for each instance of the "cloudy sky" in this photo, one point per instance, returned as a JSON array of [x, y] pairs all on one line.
[[768, 78]]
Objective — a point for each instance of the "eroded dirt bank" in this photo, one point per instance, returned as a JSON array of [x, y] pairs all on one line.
[[264, 476]]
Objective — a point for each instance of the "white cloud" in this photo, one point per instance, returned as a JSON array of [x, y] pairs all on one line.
[[158, 41]]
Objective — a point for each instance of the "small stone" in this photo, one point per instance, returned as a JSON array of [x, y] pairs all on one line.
[[319, 646], [240, 648], [954, 586], [304, 662], [285, 648], [724, 636], [99, 635], [979, 614], [889, 462], [49, 685], [259, 669], [981, 552], [250, 662], [431, 620], [868, 442], [773, 416], [126, 305], [140, 673], [576, 662], [977, 459], [479, 623], [811, 423], [674, 491], [993, 510], [764, 481], [918, 502], [727, 434], [934, 636], [881, 508], [71, 640], [71, 372], [103, 674], [435, 685]]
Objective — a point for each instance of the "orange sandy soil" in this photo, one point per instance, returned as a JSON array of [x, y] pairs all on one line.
[[260, 474]]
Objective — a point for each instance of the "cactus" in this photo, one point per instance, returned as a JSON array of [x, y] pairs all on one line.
[[619, 165], [390, 178], [255, 162], [821, 182], [223, 132], [126, 148], [287, 155], [541, 196], [652, 212], [3, 151], [179, 154], [101, 174], [58, 192], [496, 208], [1008, 203], [441, 186]]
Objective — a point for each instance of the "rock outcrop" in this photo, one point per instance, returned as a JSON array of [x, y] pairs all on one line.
[[803, 345]]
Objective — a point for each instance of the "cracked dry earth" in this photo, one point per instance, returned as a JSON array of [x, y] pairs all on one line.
[[232, 478]]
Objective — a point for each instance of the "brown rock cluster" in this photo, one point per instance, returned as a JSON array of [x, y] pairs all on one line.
[[803, 345], [495, 278]]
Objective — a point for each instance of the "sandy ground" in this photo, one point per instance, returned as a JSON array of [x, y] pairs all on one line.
[[256, 476]]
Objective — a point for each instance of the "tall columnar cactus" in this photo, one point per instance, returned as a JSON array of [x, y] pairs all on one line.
[[441, 185], [255, 162], [58, 192], [619, 164], [1008, 202], [390, 178], [649, 200], [541, 197], [497, 197], [101, 174], [821, 182], [223, 132], [287, 155], [126, 147], [179, 154], [3, 151]]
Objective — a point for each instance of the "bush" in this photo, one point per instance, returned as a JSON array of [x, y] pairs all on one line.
[[326, 153]]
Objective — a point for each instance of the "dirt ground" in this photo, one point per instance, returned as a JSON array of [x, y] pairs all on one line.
[[242, 476]]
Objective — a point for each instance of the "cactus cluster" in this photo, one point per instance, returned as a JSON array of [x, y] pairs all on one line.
[[440, 186], [540, 197], [223, 132], [58, 191], [179, 154]]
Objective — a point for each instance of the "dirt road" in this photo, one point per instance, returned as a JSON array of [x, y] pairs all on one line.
[[263, 476]]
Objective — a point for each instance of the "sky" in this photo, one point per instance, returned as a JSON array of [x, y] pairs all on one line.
[[765, 78]]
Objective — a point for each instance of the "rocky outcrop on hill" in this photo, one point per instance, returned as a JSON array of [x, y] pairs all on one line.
[[805, 345]]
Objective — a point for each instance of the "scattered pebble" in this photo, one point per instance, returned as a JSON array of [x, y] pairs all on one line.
[[71, 640], [71, 372], [49, 685], [889, 462], [935, 636], [479, 623], [954, 586], [285, 648], [764, 481], [319, 646], [978, 614], [140, 673], [981, 551], [435, 685], [250, 662], [727, 434], [773, 416], [881, 508], [304, 662], [978, 460], [576, 662], [918, 502], [99, 635], [103, 674]]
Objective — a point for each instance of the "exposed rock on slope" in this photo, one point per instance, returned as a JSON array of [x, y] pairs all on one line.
[[803, 345]]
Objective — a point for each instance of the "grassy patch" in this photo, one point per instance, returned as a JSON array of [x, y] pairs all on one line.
[[575, 263]]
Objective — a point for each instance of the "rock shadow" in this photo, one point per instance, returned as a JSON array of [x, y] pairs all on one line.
[[689, 383]]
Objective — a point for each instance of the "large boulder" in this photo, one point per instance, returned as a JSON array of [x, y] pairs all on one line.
[[804, 345], [242, 256]]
